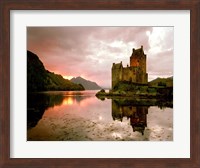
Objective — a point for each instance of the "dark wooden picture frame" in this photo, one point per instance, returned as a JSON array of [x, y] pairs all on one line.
[[193, 5]]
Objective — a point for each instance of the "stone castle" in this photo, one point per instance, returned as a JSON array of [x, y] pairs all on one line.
[[135, 73]]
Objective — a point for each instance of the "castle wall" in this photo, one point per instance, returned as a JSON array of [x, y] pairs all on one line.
[[134, 62], [138, 61], [144, 64], [141, 78], [117, 75], [129, 74]]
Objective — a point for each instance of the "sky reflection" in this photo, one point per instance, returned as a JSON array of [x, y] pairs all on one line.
[[87, 118]]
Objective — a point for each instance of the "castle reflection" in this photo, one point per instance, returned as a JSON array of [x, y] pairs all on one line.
[[137, 114]]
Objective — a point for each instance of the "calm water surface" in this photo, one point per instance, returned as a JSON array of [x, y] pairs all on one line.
[[80, 116]]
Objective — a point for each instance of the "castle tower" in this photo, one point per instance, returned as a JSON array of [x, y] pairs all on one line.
[[138, 59], [138, 62]]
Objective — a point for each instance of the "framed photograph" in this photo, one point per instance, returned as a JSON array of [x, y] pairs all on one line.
[[100, 84], [97, 99]]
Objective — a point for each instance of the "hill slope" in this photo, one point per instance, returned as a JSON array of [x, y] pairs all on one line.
[[162, 82], [40, 79], [88, 85]]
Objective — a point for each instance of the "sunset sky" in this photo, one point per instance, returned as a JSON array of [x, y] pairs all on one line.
[[89, 52]]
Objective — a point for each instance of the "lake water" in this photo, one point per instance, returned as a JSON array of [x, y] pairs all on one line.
[[80, 116]]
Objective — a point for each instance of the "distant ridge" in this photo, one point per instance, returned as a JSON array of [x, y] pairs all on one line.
[[88, 85], [40, 79], [162, 82]]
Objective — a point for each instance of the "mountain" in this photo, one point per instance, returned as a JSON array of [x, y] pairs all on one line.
[[40, 79], [88, 85], [162, 82]]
